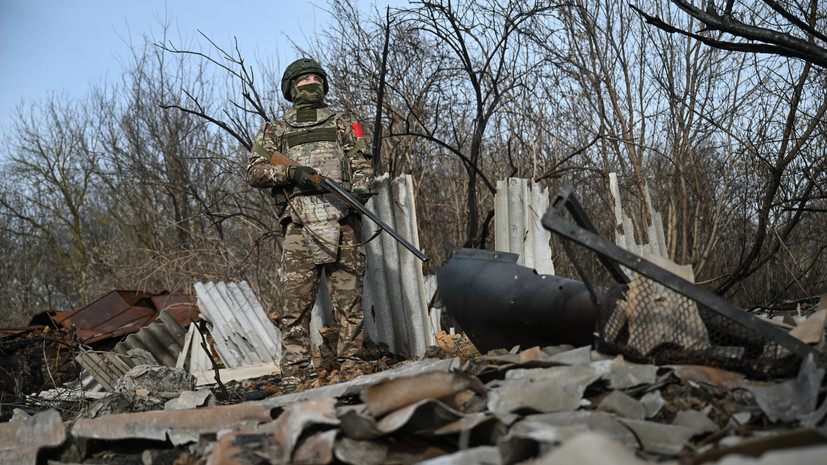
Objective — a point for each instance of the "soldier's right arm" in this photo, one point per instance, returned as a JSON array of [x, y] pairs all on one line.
[[260, 173]]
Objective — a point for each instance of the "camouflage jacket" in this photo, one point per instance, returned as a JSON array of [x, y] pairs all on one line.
[[326, 141]]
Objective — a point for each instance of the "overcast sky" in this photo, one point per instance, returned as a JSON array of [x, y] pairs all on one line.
[[66, 46]]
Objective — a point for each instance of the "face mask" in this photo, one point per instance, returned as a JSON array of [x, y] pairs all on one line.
[[308, 95]]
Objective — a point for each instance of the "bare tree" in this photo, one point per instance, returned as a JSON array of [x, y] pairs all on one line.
[[49, 174], [480, 44], [789, 28], [782, 134]]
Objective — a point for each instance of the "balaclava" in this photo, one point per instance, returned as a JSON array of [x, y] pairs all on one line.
[[308, 95]]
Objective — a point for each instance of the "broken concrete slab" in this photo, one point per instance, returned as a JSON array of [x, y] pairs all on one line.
[[156, 425], [541, 389], [795, 399], [622, 404], [590, 448], [23, 435], [658, 438], [154, 381]]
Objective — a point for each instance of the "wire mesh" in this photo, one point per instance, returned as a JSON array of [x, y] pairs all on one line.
[[650, 315]]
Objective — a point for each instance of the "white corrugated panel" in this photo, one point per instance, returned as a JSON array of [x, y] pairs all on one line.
[[242, 332], [394, 297], [518, 211], [396, 307], [626, 239]]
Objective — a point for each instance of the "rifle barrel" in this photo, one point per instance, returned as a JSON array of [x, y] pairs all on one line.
[[345, 195]]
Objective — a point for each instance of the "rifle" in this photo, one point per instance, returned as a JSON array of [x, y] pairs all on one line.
[[339, 191]]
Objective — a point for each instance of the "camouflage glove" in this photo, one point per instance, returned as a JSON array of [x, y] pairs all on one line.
[[302, 176]]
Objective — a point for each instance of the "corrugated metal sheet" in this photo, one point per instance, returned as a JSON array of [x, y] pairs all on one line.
[[626, 239], [396, 307], [518, 210], [115, 314], [161, 342], [242, 333], [119, 313], [164, 339], [104, 369]]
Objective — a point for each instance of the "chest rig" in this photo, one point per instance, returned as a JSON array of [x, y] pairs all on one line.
[[311, 138]]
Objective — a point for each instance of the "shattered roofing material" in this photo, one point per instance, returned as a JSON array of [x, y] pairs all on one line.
[[452, 412], [242, 332], [660, 317], [163, 339], [115, 314], [119, 313], [158, 343]]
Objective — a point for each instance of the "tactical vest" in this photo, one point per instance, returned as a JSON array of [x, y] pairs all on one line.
[[316, 143]]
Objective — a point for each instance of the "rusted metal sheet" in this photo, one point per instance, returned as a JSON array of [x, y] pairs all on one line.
[[119, 313], [10, 332], [115, 314], [184, 307]]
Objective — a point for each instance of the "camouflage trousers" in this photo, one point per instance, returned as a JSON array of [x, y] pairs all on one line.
[[299, 286]]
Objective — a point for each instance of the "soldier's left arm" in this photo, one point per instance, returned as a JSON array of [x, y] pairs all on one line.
[[358, 154]]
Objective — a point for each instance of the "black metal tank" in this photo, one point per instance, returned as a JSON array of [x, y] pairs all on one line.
[[499, 304]]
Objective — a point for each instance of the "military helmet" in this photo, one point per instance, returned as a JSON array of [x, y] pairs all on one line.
[[299, 68]]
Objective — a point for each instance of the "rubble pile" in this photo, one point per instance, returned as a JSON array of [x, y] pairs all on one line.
[[548, 405]]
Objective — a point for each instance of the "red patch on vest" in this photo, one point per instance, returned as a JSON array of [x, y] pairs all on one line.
[[357, 128]]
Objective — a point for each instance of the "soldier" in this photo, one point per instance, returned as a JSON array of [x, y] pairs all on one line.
[[321, 233]]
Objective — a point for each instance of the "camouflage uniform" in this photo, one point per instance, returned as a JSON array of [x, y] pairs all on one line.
[[328, 142]]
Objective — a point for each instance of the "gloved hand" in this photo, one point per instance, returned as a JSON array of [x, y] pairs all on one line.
[[303, 177]]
